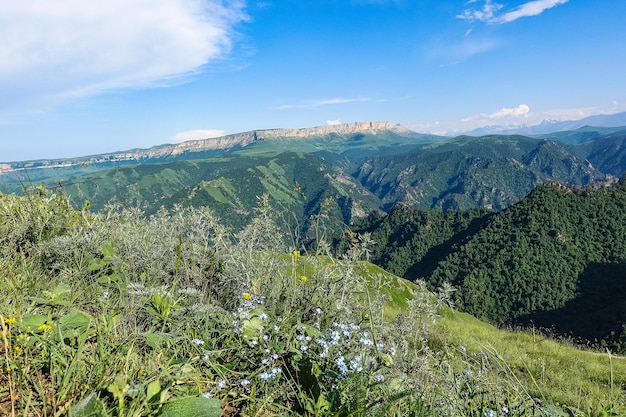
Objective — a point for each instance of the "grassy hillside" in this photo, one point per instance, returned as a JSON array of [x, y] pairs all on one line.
[[118, 314]]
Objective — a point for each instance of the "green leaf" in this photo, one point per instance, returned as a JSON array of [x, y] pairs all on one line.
[[90, 406], [30, 323], [107, 250], [95, 266], [154, 388], [61, 289], [253, 327], [193, 407]]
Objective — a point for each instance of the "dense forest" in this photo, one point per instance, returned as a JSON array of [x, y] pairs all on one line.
[[555, 260]]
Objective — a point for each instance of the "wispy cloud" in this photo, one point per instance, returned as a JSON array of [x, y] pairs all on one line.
[[320, 103], [490, 12], [196, 135], [51, 51]]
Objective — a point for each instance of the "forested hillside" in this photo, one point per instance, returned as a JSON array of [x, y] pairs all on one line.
[[556, 259], [360, 171]]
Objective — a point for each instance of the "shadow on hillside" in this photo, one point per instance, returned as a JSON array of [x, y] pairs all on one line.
[[597, 313], [436, 254]]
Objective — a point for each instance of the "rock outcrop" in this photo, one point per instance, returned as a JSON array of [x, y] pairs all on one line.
[[223, 142]]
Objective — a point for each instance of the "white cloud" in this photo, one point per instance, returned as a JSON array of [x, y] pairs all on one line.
[[521, 110], [490, 11], [486, 14], [514, 117], [333, 122], [197, 135], [51, 51]]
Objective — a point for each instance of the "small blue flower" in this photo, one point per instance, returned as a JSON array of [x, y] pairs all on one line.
[[207, 394], [490, 413], [198, 342], [245, 382]]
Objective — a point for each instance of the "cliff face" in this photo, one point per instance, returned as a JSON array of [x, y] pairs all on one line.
[[341, 129], [224, 142]]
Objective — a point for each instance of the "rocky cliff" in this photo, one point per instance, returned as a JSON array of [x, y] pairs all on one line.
[[224, 142]]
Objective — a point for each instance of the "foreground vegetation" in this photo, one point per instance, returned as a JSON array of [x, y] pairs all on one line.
[[119, 314]]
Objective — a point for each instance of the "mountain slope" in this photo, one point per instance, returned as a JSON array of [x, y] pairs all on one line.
[[556, 259]]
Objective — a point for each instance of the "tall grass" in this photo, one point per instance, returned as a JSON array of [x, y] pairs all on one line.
[[119, 314]]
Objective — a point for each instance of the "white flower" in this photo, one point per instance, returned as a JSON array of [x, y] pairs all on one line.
[[198, 342]]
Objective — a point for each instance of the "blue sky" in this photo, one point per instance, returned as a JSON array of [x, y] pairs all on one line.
[[79, 78]]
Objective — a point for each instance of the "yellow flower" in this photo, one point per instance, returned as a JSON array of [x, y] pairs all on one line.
[[11, 320], [45, 327], [16, 349], [247, 296], [303, 278], [296, 253]]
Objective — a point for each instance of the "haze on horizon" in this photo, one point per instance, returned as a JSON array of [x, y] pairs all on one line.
[[83, 78]]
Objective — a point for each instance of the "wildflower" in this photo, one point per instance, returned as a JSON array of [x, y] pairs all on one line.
[[490, 413], [505, 409], [340, 362], [462, 349], [205, 356], [245, 382], [355, 364], [392, 351], [295, 253], [16, 349], [367, 341], [263, 316], [318, 310], [105, 294], [221, 384], [303, 278], [247, 296], [207, 394], [266, 376], [277, 371], [380, 377], [198, 342], [134, 390], [45, 327], [11, 320]]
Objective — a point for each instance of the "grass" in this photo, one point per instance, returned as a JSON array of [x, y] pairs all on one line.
[[119, 314], [555, 371]]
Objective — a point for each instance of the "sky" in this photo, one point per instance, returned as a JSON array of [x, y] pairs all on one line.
[[80, 78]]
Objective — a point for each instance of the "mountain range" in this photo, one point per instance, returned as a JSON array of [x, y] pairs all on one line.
[[551, 126], [505, 218]]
